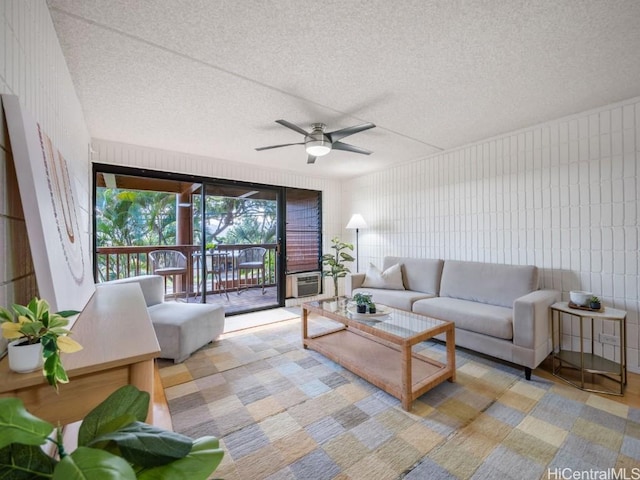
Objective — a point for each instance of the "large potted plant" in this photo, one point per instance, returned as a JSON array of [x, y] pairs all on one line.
[[335, 262], [113, 443], [36, 338]]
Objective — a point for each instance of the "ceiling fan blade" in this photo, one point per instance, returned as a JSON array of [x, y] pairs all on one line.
[[345, 132], [292, 126], [350, 148], [278, 146], [311, 159]]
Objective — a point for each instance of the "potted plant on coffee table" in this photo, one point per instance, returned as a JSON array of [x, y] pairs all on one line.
[[36, 338], [363, 300]]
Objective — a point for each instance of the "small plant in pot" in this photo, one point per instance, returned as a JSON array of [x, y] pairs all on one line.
[[594, 303], [371, 307], [38, 335], [363, 300]]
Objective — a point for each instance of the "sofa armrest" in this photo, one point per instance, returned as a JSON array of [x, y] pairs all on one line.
[[531, 318], [152, 287], [352, 281]]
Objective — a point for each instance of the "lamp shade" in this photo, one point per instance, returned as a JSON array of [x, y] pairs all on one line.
[[356, 222]]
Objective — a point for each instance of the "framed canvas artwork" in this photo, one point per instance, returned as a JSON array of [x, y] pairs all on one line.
[[59, 246]]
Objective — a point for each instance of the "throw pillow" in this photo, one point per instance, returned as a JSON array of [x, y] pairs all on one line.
[[390, 279]]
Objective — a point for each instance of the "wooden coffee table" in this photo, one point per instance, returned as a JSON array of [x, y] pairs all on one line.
[[379, 348]]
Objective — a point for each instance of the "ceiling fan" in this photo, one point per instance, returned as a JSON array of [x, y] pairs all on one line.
[[318, 143]]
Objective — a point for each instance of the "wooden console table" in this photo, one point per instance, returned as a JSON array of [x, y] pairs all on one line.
[[119, 349]]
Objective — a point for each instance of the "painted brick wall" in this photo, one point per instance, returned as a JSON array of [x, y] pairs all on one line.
[[33, 68], [562, 195]]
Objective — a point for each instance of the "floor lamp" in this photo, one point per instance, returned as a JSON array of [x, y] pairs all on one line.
[[356, 222]]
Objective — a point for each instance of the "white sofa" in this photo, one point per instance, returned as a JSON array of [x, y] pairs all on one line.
[[498, 309], [181, 328]]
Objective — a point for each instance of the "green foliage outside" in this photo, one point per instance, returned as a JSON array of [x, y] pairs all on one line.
[[125, 217], [142, 218], [236, 221]]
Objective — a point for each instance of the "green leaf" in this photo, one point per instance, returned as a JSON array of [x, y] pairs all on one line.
[[59, 372], [204, 458], [91, 464], [346, 257], [56, 321], [49, 345], [19, 426], [50, 364], [33, 462], [5, 315], [125, 400], [59, 330], [32, 328], [38, 306], [53, 369], [112, 426], [22, 310], [67, 313], [146, 445]]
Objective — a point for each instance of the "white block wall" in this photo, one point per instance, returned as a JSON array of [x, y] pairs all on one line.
[[563, 195], [33, 68]]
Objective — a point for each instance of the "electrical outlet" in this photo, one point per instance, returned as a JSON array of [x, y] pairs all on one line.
[[608, 339]]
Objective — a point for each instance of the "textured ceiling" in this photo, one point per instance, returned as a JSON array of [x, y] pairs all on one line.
[[210, 77]]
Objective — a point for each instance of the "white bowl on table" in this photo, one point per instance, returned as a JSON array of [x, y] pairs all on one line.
[[580, 297]]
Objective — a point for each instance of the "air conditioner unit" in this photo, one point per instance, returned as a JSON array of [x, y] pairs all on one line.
[[305, 284]]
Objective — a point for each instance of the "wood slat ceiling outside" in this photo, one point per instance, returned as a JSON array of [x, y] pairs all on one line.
[[128, 182]]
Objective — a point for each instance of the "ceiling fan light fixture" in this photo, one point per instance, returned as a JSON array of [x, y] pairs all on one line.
[[318, 148], [317, 143]]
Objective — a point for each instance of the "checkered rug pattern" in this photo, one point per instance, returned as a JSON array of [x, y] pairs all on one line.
[[283, 412]]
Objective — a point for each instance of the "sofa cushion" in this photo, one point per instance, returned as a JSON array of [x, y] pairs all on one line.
[[402, 299], [418, 274], [490, 283], [390, 279], [476, 317], [182, 328]]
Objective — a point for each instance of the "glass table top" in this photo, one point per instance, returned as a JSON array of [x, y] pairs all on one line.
[[389, 320]]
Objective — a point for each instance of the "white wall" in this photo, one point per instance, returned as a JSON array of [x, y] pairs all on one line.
[[33, 68], [135, 156], [562, 195]]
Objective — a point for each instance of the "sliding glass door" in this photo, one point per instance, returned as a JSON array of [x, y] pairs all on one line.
[[239, 230]]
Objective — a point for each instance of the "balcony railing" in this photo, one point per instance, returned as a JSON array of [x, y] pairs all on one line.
[[122, 262]]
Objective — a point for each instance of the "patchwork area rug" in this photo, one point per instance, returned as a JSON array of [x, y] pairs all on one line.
[[283, 412]]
